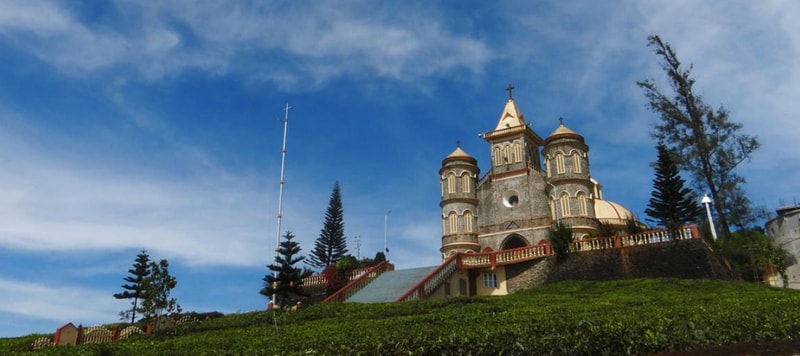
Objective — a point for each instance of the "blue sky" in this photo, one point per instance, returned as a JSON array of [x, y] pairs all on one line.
[[135, 124]]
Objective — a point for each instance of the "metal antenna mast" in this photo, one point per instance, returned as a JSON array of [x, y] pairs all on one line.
[[280, 191], [280, 199]]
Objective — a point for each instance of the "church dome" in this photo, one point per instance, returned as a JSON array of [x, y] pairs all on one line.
[[459, 155], [611, 213], [563, 132]]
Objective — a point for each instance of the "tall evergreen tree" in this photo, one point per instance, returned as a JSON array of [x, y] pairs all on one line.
[[286, 281], [672, 205], [703, 140], [136, 284], [331, 245], [158, 285]]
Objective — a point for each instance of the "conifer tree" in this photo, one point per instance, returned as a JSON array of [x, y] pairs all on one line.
[[672, 205], [331, 245], [286, 281], [703, 141], [135, 287]]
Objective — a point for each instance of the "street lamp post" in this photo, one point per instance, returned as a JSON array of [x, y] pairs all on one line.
[[707, 202], [385, 225]]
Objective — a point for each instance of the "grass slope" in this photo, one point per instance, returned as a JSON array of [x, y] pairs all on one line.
[[569, 318]]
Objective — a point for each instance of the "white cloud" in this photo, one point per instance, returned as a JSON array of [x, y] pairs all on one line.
[[58, 303]]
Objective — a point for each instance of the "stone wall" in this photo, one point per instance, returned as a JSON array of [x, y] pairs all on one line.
[[677, 259]]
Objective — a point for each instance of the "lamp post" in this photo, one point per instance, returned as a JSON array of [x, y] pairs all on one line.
[[707, 202], [385, 224]]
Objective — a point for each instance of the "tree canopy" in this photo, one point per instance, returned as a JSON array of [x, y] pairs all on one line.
[[331, 245], [704, 141]]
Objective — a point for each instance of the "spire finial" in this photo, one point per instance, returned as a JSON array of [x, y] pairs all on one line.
[[458, 143], [561, 121], [509, 89]]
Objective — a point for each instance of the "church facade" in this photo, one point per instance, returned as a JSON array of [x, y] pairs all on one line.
[[533, 183]]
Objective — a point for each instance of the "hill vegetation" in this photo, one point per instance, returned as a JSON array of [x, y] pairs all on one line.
[[642, 316]]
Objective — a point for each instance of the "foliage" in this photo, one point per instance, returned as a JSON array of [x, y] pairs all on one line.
[[703, 140], [672, 205], [331, 245], [135, 287], [333, 280], [560, 239], [286, 283], [157, 287], [752, 255], [628, 317], [633, 227]]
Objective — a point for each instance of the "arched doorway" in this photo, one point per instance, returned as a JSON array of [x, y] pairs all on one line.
[[513, 241]]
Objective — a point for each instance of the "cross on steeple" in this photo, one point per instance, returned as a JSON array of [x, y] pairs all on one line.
[[509, 89], [458, 143], [561, 121]]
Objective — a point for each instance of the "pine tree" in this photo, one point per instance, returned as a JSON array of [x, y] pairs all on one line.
[[157, 287], [703, 141], [331, 245], [672, 205], [286, 281], [135, 287]]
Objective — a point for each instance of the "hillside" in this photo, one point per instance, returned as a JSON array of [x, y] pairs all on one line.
[[642, 316]]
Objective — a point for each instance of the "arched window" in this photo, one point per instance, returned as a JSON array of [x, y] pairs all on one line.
[[497, 157], [564, 200], [553, 208], [466, 182], [518, 152], [468, 220], [452, 221], [451, 182], [444, 225], [576, 162], [507, 154], [583, 204], [559, 163], [547, 168]]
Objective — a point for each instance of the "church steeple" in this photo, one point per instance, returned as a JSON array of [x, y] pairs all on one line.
[[514, 146]]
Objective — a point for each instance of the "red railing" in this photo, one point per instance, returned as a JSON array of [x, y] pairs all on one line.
[[432, 281], [360, 282], [319, 279]]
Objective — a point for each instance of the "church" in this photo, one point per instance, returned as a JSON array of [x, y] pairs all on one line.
[[496, 225], [532, 183]]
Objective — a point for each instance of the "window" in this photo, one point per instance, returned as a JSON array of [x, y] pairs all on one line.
[[576, 162], [497, 159], [518, 152], [466, 182], [451, 183], [553, 208], [468, 221], [490, 280], [560, 163], [452, 221], [547, 167], [507, 154], [564, 199], [583, 204]]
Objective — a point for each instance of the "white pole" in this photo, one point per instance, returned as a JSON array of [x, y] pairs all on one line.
[[707, 202], [385, 224], [280, 192]]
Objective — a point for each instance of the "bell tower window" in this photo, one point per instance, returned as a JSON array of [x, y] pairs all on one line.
[[560, 163], [576, 162]]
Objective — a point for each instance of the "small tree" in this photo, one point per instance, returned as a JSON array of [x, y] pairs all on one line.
[[331, 245], [560, 239], [157, 288], [286, 283], [135, 287], [672, 205]]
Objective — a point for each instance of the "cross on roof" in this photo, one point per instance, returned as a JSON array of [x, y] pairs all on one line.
[[561, 120], [509, 89]]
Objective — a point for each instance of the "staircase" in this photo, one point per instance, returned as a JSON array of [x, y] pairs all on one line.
[[390, 285]]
